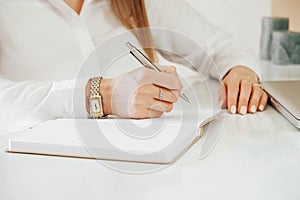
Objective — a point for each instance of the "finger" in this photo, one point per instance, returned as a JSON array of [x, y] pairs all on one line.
[[167, 95], [166, 80], [147, 114], [161, 106], [168, 69], [222, 96], [148, 91], [154, 114], [245, 92], [255, 98], [263, 101], [153, 91], [172, 70], [232, 95], [176, 93]]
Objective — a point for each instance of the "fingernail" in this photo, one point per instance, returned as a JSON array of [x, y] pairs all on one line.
[[243, 110], [261, 107], [253, 109], [233, 109]]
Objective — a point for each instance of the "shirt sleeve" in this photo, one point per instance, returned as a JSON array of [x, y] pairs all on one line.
[[179, 28], [26, 104]]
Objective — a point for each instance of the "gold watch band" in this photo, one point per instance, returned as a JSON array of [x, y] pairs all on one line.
[[95, 99]]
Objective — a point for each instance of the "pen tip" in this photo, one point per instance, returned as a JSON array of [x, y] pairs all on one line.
[[184, 97]]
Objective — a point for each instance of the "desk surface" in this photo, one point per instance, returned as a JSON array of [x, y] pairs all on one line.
[[257, 157]]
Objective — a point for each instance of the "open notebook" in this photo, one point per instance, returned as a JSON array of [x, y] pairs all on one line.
[[162, 140]]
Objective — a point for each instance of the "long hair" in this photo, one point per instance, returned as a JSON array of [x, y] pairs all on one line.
[[132, 14]]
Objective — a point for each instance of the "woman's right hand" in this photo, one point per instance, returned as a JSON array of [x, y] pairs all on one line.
[[136, 94]]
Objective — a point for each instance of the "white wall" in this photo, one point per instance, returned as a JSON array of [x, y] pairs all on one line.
[[241, 18]]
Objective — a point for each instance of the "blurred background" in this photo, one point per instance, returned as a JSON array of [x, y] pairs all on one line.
[[243, 18]]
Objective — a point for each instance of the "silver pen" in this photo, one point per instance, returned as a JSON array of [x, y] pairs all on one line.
[[146, 62]]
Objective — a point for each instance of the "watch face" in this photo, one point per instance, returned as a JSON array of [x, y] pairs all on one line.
[[95, 106]]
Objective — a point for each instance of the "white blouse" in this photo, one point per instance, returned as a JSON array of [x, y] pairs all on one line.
[[44, 42]]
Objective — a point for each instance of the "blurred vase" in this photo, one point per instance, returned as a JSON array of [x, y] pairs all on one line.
[[295, 57], [285, 47], [270, 24]]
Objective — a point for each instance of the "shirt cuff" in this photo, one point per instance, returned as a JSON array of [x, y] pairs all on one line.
[[71, 97]]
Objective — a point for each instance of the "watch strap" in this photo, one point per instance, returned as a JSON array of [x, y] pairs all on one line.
[[95, 99]]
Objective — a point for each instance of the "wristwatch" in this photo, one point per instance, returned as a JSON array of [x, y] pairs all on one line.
[[95, 99]]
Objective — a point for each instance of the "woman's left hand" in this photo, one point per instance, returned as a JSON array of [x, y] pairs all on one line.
[[241, 93]]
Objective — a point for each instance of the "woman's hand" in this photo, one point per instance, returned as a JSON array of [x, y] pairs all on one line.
[[136, 94], [239, 92]]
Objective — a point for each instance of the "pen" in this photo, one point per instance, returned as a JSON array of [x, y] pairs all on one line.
[[146, 62]]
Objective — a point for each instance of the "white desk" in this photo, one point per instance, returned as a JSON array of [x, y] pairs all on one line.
[[257, 157]]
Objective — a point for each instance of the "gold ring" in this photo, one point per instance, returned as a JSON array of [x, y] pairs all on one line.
[[257, 85], [160, 93]]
